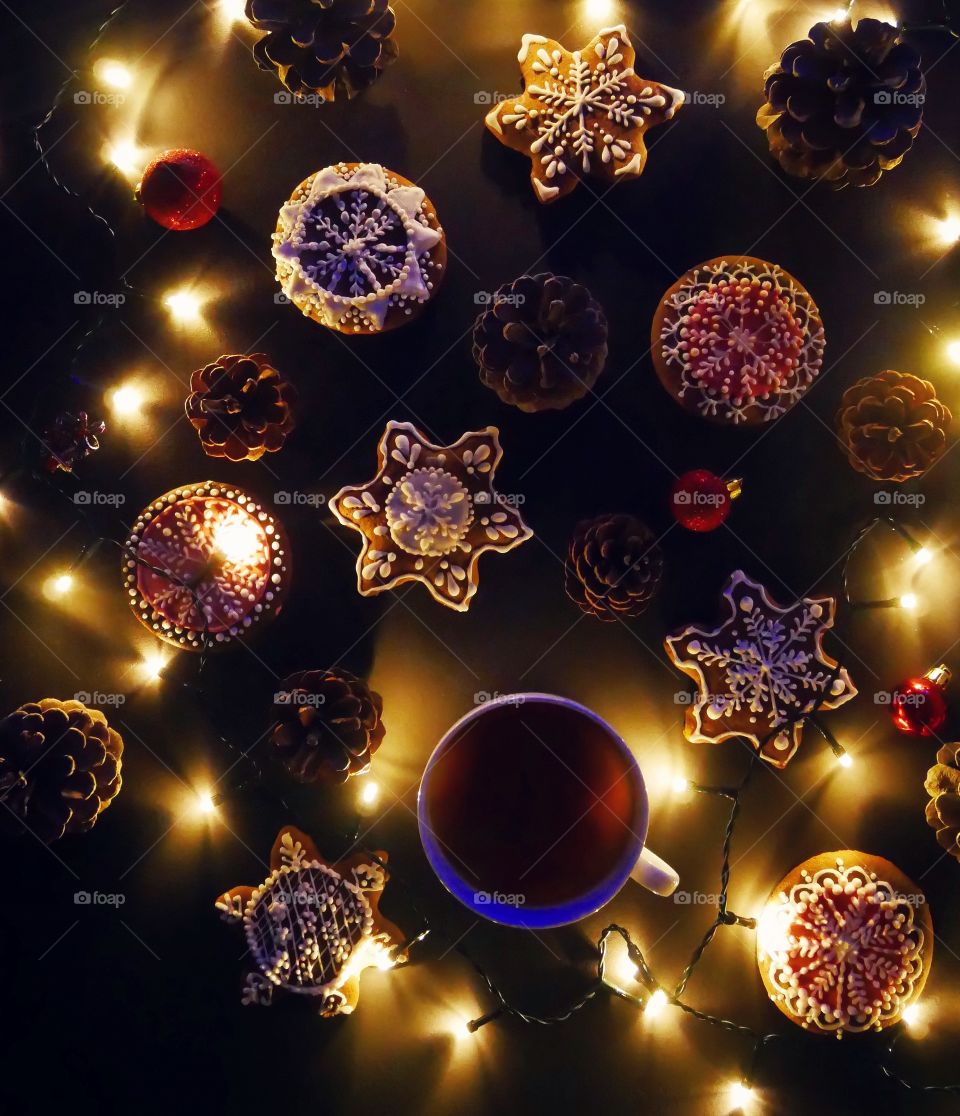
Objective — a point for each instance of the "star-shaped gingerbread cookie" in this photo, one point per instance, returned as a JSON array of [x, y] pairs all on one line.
[[762, 669], [429, 513], [582, 113]]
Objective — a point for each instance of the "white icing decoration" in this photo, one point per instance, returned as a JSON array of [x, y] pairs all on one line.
[[429, 512], [525, 46], [351, 245]]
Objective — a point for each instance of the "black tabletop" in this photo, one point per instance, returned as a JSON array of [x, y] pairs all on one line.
[[134, 1005]]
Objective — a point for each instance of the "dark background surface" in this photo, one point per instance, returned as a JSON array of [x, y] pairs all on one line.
[[137, 1009]]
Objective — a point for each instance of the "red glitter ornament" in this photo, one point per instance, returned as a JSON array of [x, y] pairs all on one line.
[[701, 501], [919, 707], [180, 190]]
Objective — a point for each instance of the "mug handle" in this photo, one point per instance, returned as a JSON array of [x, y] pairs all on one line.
[[654, 874]]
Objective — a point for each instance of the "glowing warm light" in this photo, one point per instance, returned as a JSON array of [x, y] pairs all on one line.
[[152, 666], [369, 795], [655, 1005], [739, 1095], [948, 230], [205, 803], [125, 156], [846, 760], [908, 601], [953, 351], [923, 556], [912, 1015], [114, 74], [599, 9], [234, 10], [61, 584], [839, 15], [238, 539], [679, 785], [126, 400], [184, 306]]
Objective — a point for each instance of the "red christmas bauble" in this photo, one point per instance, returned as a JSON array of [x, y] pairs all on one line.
[[700, 500], [180, 190], [919, 707]]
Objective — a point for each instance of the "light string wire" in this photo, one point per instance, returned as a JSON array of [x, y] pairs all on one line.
[[734, 795]]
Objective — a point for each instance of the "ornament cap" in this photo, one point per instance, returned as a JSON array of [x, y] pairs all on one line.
[[735, 487], [940, 676]]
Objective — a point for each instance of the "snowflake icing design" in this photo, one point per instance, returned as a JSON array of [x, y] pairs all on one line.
[[429, 513], [742, 340], [353, 242], [762, 668], [581, 112], [841, 950]]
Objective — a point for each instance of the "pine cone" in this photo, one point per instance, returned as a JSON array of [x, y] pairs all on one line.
[[240, 407], [324, 46], [329, 725], [542, 343], [69, 439], [943, 809], [59, 766], [613, 566], [844, 104], [893, 426]]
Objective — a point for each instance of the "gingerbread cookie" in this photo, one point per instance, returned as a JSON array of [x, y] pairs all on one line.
[[761, 671], [583, 113], [737, 340], [204, 564], [845, 943], [429, 513], [943, 809], [312, 927], [359, 248]]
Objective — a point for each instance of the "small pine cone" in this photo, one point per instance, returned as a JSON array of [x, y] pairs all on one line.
[[893, 426], [542, 343], [59, 766], [324, 46], [329, 725], [613, 566], [845, 104], [240, 407], [943, 810]]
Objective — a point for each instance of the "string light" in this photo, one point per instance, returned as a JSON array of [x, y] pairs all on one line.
[[599, 9], [953, 351], [126, 400], [369, 796], [739, 1095], [206, 803], [948, 230], [908, 601], [125, 156], [152, 666], [912, 1015], [238, 539], [845, 760], [923, 556], [656, 1003], [60, 584], [112, 73], [680, 785], [234, 10], [184, 306]]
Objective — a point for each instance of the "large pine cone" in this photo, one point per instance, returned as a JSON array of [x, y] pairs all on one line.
[[943, 809], [59, 766], [324, 46], [613, 566], [893, 426], [844, 104], [329, 725], [542, 343], [240, 407]]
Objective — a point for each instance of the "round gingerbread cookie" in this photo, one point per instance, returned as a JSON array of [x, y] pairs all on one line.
[[737, 340], [204, 565], [845, 943], [359, 249]]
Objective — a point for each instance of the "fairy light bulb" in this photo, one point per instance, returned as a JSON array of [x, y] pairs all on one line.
[[845, 760], [206, 803], [234, 10], [739, 1095], [126, 400], [912, 1015], [184, 306], [152, 666], [599, 9], [953, 351], [113, 74], [656, 1003], [125, 156], [238, 540], [60, 584], [923, 556], [369, 795], [908, 602], [948, 230], [679, 785]]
